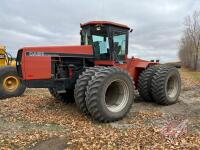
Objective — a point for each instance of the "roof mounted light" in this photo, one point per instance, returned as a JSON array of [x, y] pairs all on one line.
[[98, 28]]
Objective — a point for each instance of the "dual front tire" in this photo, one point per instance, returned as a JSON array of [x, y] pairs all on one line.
[[104, 93]]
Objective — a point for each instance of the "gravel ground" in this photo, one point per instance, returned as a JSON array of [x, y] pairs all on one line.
[[38, 121]]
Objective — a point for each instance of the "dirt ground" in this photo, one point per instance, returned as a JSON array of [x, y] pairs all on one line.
[[38, 121]]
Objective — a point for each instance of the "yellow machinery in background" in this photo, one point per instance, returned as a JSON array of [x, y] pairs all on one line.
[[10, 83], [5, 58]]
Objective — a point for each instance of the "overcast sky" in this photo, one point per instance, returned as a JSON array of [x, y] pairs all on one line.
[[157, 24]]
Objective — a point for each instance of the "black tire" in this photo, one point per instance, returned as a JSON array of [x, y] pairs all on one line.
[[107, 86], [6, 72], [144, 83], [67, 97], [166, 85], [81, 87]]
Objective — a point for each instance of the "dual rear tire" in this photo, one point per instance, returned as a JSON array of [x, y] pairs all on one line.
[[160, 84]]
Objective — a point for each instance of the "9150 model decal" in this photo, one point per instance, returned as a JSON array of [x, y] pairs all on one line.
[[35, 54], [51, 54], [40, 54]]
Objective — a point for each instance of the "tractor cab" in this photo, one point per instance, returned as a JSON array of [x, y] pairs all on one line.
[[109, 40]]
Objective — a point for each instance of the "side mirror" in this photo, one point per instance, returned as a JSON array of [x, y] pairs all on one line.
[[131, 30]]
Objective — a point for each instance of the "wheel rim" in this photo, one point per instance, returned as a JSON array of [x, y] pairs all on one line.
[[117, 95], [11, 83], [172, 86]]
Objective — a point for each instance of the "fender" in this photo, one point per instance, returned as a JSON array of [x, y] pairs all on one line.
[[136, 66]]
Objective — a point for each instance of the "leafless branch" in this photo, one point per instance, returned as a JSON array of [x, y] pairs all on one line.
[[190, 42]]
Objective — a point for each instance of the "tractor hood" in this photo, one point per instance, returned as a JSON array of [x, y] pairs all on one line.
[[61, 51], [36, 62]]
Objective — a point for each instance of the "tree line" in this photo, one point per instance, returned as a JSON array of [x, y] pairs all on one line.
[[189, 52]]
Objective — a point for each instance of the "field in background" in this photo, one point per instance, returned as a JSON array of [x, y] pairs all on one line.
[[194, 74]]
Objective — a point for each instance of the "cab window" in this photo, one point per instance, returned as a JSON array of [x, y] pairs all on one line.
[[119, 45], [101, 47]]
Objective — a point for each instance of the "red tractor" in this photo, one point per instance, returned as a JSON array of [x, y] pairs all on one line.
[[98, 75]]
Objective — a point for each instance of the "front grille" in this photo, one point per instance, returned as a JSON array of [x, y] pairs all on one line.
[[19, 63]]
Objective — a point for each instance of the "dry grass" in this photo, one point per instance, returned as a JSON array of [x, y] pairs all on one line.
[[194, 74]]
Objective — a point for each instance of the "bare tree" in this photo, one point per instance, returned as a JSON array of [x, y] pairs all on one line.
[[190, 42], [186, 52]]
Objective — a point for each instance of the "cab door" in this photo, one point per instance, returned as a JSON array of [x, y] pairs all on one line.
[[120, 47]]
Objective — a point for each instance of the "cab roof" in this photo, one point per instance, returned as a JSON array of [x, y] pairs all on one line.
[[105, 23]]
